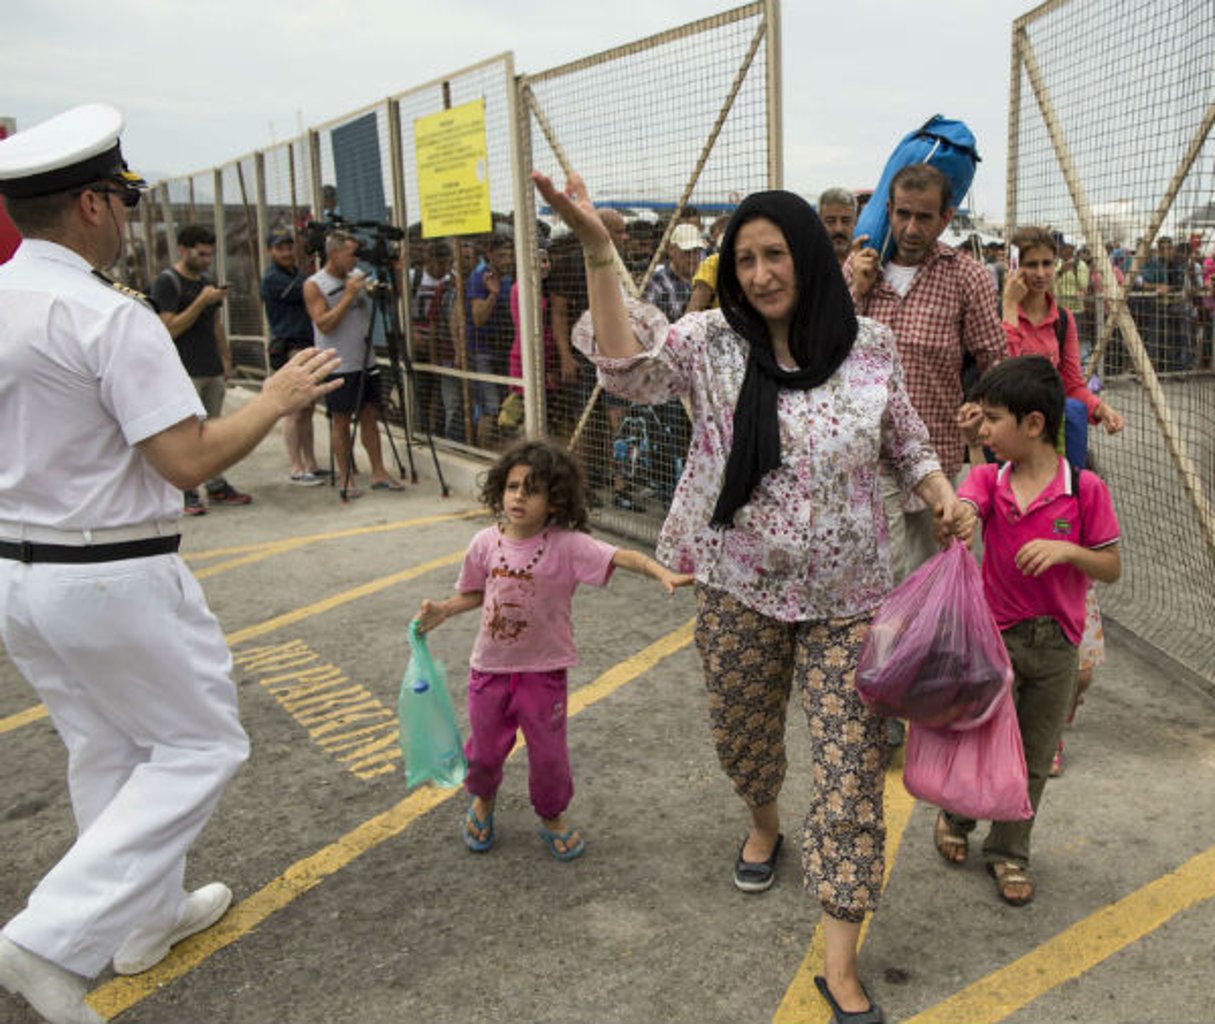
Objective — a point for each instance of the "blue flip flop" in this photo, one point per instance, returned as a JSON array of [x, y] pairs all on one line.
[[471, 822], [551, 839]]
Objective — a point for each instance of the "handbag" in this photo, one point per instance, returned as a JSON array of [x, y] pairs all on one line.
[[974, 773], [430, 737]]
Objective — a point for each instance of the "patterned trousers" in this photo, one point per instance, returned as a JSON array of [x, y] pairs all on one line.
[[750, 663]]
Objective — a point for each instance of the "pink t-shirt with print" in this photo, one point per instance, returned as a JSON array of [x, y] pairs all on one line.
[[526, 622]]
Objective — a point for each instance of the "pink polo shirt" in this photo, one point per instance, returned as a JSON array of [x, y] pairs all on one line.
[[526, 623], [1055, 514]]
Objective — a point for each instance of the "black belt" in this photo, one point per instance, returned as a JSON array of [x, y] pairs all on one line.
[[25, 551]]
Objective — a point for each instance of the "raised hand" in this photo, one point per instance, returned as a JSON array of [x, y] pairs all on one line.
[[865, 265], [303, 379], [574, 206]]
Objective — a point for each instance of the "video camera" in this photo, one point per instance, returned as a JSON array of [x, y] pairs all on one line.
[[379, 243]]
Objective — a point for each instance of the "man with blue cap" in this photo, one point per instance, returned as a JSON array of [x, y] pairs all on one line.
[[97, 611]]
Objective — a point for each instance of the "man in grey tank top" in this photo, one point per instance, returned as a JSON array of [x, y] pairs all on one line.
[[336, 300]]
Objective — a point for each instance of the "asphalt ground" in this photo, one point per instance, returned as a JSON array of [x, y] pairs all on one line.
[[357, 902]]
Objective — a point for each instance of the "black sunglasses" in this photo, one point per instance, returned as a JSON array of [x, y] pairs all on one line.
[[128, 196]]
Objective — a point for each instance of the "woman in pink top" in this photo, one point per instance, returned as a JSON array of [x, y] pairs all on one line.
[[522, 574], [1029, 317]]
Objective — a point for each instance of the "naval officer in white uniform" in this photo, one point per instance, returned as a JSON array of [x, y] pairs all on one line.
[[102, 431]]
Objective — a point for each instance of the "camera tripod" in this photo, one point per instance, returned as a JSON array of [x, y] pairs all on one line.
[[384, 310]]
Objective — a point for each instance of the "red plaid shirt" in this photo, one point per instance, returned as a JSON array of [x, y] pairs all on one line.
[[951, 306]]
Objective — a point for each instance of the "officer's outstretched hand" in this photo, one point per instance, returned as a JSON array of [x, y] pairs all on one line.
[[304, 378]]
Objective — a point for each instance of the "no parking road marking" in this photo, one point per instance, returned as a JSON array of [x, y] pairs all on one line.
[[121, 994]]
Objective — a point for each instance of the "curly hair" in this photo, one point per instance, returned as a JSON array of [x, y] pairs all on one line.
[[553, 472]]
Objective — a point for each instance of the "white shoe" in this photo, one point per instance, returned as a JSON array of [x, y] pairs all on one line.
[[141, 952], [55, 993]]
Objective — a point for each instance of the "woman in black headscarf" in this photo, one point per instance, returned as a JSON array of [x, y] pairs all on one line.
[[794, 403]]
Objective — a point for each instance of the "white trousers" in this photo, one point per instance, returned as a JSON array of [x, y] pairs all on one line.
[[134, 670]]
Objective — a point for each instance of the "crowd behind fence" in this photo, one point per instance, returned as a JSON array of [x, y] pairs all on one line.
[[671, 132]]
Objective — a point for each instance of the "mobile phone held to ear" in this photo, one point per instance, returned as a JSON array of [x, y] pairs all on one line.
[[1014, 257]]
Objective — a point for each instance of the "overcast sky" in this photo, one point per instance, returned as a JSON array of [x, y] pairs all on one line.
[[202, 83]]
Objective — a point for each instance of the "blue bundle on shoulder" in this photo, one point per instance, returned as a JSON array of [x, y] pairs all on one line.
[[947, 145]]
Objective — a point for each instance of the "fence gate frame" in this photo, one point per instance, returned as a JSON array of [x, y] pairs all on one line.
[[767, 31], [1023, 58]]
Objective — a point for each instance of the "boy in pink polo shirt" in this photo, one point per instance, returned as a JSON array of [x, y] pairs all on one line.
[[1046, 531]]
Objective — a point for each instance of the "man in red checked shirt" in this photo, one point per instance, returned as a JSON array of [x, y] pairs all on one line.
[[940, 304]]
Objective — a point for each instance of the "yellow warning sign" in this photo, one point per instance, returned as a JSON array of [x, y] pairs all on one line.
[[453, 171]]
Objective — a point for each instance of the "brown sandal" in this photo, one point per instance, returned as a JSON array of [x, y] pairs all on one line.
[[1007, 874], [952, 846]]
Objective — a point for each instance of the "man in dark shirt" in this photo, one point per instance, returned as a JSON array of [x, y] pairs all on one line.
[[290, 331], [1165, 310], [189, 304]]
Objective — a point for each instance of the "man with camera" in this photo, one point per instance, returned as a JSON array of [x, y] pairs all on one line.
[[189, 304], [290, 331], [336, 300]]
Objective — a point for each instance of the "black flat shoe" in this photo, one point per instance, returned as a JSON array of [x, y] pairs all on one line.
[[756, 877], [873, 1015]]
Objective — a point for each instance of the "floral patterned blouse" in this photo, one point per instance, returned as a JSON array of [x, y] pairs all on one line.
[[812, 542]]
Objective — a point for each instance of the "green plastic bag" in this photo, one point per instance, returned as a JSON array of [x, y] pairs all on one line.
[[430, 738]]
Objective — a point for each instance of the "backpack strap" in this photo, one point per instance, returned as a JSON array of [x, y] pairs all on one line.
[[1076, 471], [1061, 328]]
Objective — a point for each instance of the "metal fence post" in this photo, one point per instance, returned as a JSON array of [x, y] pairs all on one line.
[[772, 66], [221, 248], [531, 330]]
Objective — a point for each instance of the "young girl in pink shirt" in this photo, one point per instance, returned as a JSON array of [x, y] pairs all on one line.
[[522, 574]]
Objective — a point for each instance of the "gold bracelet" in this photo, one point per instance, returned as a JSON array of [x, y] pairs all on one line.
[[598, 264]]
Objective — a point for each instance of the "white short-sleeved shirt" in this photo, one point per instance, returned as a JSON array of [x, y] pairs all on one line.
[[86, 373]]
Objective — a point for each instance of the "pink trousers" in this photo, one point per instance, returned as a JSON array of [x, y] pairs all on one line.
[[535, 702]]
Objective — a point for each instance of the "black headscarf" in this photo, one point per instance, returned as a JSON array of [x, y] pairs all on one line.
[[820, 338]]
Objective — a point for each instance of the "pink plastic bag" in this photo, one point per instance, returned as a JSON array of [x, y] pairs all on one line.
[[975, 773], [934, 653]]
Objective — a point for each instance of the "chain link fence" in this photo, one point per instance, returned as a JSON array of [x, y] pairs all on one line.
[[1110, 144], [669, 133], [473, 330]]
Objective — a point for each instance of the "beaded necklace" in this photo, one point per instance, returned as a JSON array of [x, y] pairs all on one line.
[[525, 573]]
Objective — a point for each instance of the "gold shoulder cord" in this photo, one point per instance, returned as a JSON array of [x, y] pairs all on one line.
[[123, 289]]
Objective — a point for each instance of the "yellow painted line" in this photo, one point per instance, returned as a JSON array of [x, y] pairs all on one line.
[[119, 995], [1083, 946], [802, 1003], [345, 597], [629, 669], [249, 554], [34, 714], [353, 531]]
